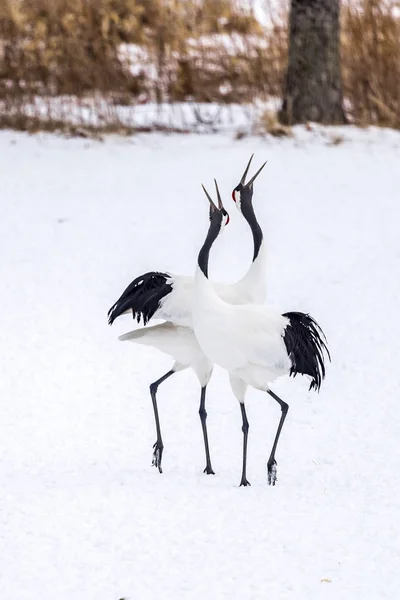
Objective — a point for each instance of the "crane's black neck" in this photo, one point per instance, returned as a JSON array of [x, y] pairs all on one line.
[[213, 231], [249, 215]]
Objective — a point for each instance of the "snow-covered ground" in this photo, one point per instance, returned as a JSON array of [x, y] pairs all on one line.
[[193, 117], [83, 515]]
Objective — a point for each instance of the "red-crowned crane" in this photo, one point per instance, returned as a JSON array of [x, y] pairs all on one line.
[[169, 297], [254, 343]]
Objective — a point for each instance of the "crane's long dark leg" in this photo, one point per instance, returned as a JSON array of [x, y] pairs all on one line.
[[158, 446], [203, 418], [271, 465], [245, 429]]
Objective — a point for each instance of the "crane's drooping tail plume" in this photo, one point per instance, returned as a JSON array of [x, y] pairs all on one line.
[[305, 345], [142, 297]]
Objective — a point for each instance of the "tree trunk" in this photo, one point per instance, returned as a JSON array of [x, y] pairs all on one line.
[[313, 79]]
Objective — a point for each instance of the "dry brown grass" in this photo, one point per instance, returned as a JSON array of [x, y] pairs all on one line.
[[65, 46], [52, 48], [371, 61], [72, 49], [269, 123]]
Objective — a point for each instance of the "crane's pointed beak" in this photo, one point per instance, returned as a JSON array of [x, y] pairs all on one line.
[[209, 198], [242, 181], [256, 175], [220, 205]]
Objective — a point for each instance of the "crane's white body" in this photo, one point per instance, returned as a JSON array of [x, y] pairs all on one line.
[[246, 340], [176, 307], [178, 342], [176, 337]]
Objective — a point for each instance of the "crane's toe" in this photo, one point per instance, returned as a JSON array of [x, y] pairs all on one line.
[[209, 470], [272, 472], [244, 482], [157, 455]]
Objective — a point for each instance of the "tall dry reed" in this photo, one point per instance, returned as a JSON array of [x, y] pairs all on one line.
[[78, 61]]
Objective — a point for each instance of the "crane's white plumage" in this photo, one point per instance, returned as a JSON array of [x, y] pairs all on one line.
[[178, 342], [238, 337], [176, 306]]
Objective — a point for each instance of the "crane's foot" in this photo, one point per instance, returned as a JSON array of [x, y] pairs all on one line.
[[244, 482], [272, 472], [209, 470], [157, 455]]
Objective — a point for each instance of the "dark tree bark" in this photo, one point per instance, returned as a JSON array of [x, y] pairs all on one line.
[[313, 79]]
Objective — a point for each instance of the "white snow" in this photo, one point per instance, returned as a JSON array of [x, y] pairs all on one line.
[[182, 116], [231, 44], [83, 515]]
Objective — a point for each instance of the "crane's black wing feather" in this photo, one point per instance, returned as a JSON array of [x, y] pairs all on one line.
[[306, 347], [142, 297]]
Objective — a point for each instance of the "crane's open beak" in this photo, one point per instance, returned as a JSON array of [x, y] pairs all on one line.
[[250, 183], [243, 180], [220, 205], [213, 207], [256, 175]]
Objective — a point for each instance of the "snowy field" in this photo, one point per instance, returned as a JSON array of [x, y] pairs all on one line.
[[83, 515]]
